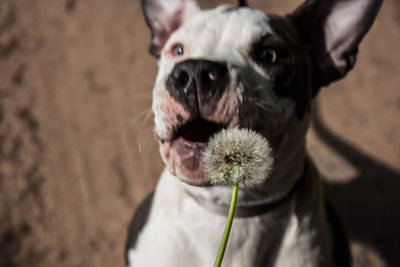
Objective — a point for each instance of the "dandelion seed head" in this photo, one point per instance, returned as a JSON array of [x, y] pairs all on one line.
[[239, 156]]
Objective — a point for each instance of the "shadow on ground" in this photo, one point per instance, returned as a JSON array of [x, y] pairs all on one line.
[[369, 203]]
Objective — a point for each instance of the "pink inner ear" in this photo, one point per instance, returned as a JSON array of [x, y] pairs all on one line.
[[164, 17], [334, 29], [344, 27], [166, 26]]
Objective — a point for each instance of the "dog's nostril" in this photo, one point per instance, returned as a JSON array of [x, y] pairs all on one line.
[[180, 78]]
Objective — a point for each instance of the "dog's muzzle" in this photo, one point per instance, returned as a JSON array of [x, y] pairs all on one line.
[[198, 85]]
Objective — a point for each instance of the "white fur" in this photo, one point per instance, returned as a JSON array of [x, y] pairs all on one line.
[[182, 233]]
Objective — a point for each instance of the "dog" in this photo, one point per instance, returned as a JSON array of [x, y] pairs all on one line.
[[233, 66]]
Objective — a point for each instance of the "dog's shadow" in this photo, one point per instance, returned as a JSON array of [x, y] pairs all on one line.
[[369, 205]]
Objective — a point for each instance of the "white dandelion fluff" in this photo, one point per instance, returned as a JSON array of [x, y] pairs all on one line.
[[238, 156]]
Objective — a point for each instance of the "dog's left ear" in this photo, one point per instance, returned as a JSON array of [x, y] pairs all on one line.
[[164, 17], [333, 29]]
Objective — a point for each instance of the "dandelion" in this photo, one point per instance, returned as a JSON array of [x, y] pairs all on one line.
[[236, 157]]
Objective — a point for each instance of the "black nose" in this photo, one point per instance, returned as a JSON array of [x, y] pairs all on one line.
[[198, 85]]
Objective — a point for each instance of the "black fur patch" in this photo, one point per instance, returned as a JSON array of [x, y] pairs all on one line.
[[291, 73], [138, 222], [341, 247]]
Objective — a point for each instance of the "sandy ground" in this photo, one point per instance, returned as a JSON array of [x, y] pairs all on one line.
[[77, 151]]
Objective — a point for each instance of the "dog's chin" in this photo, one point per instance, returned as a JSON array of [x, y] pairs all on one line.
[[184, 159]]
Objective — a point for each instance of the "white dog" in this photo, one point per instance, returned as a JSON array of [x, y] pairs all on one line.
[[239, 67]]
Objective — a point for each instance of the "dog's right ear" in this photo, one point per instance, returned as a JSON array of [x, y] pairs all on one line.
[[333, 29], [164, 17]]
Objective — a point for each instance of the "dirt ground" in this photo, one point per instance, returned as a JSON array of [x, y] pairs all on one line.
[[77, 151]]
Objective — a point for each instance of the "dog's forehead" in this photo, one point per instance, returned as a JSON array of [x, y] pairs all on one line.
[[224, 31]]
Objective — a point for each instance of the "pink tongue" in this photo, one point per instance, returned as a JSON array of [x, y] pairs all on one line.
[[190, 153]]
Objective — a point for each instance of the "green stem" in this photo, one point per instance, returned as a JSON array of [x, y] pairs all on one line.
[[228, 227]]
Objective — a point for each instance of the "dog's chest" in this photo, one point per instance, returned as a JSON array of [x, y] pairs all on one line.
[[179, 232]]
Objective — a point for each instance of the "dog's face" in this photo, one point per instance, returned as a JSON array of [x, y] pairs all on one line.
[[224, 68], [238, 67]]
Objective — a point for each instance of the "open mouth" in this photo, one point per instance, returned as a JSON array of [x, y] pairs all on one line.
[[184, 152], [198, 130]]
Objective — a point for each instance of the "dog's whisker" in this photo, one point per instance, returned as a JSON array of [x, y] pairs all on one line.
[[140, 133], [144, 113]]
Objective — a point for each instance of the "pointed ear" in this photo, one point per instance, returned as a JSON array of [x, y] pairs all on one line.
[[333, 29], [164, 17]]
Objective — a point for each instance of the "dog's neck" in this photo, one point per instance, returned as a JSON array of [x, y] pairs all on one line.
[[288, 167]]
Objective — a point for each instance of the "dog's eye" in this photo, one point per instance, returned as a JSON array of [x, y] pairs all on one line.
[[268, 55], [178, 50]]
